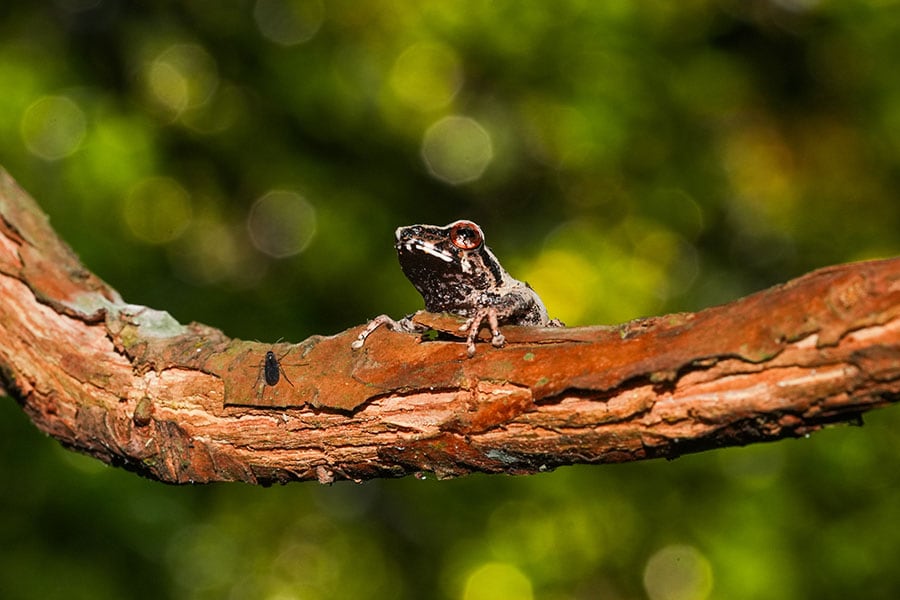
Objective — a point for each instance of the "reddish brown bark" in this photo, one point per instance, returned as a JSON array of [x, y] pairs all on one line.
[[184, 403]]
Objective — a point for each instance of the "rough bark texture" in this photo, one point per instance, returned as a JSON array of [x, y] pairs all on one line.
[[184, 403]]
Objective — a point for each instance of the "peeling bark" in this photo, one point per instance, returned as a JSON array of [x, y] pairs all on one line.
[[185, 403]]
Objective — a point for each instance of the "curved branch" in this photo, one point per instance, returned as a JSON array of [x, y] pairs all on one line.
[[184, 403]]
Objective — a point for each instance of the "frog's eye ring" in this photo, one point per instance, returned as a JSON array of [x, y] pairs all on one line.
[[466, 235]]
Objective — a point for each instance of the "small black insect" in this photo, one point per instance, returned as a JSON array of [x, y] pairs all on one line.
[[270, 372], [272, 369]]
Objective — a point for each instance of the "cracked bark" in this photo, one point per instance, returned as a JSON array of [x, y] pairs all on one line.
[[185, 403]]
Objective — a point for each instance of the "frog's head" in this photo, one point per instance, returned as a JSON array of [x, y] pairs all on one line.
[[450, 266]]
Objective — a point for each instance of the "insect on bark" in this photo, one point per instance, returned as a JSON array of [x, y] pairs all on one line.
[[271, 371]]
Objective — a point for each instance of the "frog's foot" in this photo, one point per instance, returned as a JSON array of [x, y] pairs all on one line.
[[404, 325], [473, 326]]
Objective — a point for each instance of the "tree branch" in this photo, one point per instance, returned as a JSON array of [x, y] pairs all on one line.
[[184, 403]]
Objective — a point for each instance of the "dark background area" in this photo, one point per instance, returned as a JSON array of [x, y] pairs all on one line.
[[245, 165]]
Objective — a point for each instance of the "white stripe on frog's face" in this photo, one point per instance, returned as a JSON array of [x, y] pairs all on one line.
[[428, 248], [466, 265]]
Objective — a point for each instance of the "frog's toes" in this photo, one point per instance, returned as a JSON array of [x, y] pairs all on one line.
[[498, 340]]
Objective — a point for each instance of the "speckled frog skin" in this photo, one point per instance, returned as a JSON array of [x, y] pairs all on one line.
[[456, 272]]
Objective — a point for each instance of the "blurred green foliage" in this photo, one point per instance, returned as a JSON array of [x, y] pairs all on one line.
[[244, 164]]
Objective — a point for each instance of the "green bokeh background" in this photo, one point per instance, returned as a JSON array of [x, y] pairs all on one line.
[[626, 158]]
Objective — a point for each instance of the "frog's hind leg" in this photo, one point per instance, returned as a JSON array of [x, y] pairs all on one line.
[[404, 325]]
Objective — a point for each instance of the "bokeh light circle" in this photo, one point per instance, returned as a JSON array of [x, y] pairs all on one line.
[[288, 22], [678, 572], [182, 77], [498, 581], [281, 223], [457, 149], [157, 210], [426, 76], [53, 127], [212, 251]]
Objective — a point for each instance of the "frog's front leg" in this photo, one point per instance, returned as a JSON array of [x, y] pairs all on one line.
[[517, 307], [473, 326]]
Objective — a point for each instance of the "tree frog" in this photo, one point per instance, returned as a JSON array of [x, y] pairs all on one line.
[[456, 272]]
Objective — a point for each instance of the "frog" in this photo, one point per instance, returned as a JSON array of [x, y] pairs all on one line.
[[456, 272]]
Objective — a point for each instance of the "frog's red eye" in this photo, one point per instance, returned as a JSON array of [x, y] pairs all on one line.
[[466, 235]]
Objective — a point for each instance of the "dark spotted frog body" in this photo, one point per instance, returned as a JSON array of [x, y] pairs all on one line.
[[456, 272]]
